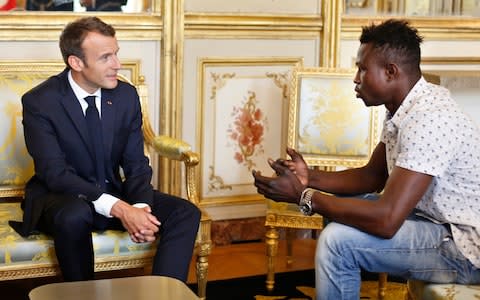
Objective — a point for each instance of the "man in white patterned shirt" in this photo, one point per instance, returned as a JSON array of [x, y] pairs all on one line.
[[426, 222]]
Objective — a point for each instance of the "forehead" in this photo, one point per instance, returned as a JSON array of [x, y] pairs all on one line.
[[95, 42], [366, 54]]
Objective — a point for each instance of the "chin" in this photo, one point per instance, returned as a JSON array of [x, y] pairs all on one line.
[[366, 102], [110, 84]]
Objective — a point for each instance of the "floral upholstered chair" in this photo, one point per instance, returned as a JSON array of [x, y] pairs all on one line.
[[34, 256]]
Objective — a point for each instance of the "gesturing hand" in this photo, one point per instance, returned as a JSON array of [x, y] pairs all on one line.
[[296, 164], [285, 187]]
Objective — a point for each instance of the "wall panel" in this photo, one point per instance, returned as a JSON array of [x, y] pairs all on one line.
[[254, 6], [250, 60]]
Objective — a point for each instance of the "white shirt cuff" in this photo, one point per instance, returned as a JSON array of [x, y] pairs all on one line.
[[103, 205]]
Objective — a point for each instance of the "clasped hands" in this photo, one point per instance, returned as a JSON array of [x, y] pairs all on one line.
[[139, 222], [291, 178]]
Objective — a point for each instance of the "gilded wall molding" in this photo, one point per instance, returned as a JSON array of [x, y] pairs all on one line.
[[332, 11], [46, 26], [250, 26], [438, 28], [458, 72], [224, 153], [462, 60], [171, 92]]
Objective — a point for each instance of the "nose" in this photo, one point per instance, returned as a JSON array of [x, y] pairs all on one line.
[[116, 62], [356, 79]]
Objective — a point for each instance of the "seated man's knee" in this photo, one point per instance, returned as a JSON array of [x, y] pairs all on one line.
[[192, 210], [334, 239], [74, 215]]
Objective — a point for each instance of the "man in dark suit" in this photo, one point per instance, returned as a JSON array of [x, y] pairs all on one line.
[[78, 186]]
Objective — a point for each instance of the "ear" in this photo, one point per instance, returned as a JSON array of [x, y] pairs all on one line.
[[391, 71], [75, 63]]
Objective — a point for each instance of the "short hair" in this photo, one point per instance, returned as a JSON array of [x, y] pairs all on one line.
[[396, 40], [74, 34]]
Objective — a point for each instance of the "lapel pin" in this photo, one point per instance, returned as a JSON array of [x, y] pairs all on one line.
[[109, 102]]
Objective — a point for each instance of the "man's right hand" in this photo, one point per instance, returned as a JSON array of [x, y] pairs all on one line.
[[296, 164], [139, 222]]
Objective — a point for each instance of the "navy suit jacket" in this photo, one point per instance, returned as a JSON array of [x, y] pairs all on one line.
[[56, 137]]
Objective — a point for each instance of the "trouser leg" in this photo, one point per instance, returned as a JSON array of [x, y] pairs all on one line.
[[180, 220], [69, 221], [419, 250]]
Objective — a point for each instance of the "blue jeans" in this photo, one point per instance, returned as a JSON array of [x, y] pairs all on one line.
[[420, 250]]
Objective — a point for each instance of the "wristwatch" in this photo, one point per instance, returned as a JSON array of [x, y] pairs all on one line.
[[306, 202]]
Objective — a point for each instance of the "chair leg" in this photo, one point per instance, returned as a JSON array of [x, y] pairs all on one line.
[[202, 272], [147, 270], [271, 241], [203, 251], [382, 285], [290, 234]]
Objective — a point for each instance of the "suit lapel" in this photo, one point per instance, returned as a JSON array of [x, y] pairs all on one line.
[[74, 111], [108, 118]]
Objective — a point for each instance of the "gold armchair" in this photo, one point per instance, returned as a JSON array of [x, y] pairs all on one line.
[[32, 257]]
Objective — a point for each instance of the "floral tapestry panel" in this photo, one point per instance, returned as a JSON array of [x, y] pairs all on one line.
[[244, 124]]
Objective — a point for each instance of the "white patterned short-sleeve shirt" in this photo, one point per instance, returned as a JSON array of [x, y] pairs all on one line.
[[430, 134]]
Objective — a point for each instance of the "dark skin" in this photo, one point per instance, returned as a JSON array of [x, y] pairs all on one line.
[[378, 82]]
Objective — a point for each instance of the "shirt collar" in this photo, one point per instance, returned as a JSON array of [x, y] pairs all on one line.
[[407, 103], [80, 92]]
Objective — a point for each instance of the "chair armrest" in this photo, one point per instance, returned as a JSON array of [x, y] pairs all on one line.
[[179, 150], [169, 147], [173, 148]]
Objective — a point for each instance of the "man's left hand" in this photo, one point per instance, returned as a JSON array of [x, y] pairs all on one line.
[[285, 187]]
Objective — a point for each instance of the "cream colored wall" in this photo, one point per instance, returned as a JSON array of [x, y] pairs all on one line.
[[147, 52], [172, 41], [221, 30], [457, 58], [254, 6], [234, 49], [262, 32], [204, 48]]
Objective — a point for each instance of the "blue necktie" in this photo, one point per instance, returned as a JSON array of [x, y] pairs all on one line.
[[95, 131]]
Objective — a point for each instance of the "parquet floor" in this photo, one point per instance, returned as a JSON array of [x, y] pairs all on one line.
[[248, 259]]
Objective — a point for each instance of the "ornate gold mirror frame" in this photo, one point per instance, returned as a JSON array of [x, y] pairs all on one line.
[[438, 26], [41, 26]]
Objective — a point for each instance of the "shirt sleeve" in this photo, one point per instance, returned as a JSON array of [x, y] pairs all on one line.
[[428, 144], [103, 205]]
